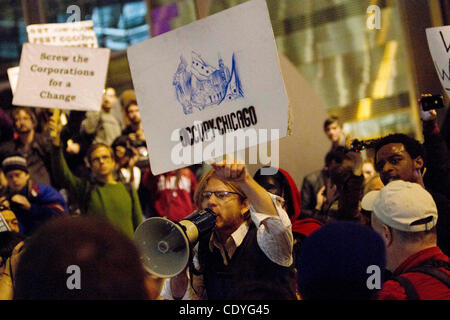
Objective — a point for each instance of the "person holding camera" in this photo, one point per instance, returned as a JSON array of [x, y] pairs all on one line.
[[135, 133], [251, 242], [437, 177], [126, 157]]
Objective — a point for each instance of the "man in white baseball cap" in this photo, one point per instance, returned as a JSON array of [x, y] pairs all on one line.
[[405, 215]]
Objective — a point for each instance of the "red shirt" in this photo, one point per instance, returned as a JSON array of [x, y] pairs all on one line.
[[169, 200], [427, 287]]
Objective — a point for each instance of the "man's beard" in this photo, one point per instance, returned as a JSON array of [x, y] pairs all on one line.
[[135, 122], [23, 130]]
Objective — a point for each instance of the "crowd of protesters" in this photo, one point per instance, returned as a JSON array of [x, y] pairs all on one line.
[[76, 185]]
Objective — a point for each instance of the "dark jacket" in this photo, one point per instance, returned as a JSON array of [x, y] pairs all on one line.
[[437, 179], [437, 161], [249, 274], [310, 186]]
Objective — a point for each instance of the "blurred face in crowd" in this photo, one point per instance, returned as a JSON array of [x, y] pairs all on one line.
[[120, 151], [17, 179], [368, 170], [23, 123], [334, 132], [227, 204], [101, 161], [121, 155], [333, 166], [109, 99], [11, 220], [271, 184], [133, 113], [393, 162]]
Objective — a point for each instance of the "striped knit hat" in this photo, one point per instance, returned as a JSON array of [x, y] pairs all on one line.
[[14, 162]]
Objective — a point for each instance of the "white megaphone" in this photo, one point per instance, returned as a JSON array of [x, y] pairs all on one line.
[[165, 245]]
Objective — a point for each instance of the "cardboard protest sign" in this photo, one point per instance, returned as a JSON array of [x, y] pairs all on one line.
[[71, 34], [439, 45], [13, 76], [210, 88], [74, 34], [61, 77]]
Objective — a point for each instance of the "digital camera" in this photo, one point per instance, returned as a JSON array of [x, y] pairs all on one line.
[[432, 102]]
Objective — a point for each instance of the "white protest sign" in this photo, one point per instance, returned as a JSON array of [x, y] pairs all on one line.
[[61, 77], [210, 88], [13, 76], [439, 45], [74, 34]]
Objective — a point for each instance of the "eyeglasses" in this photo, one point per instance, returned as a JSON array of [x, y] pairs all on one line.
[[97, 159], [219, 194]]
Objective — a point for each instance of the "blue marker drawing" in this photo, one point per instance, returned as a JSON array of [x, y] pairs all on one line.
[[199, 85]]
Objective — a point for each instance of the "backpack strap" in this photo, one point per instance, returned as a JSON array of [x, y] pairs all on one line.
[[430, 268], [410, 290]]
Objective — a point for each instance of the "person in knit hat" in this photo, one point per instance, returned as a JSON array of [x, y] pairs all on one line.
[[33, 204], [338, 262]]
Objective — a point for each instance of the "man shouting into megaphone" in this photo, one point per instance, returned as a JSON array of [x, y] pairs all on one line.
[[248, 255]]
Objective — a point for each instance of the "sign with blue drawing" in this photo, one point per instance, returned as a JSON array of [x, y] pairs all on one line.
[[199, 84], [202, 87]]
